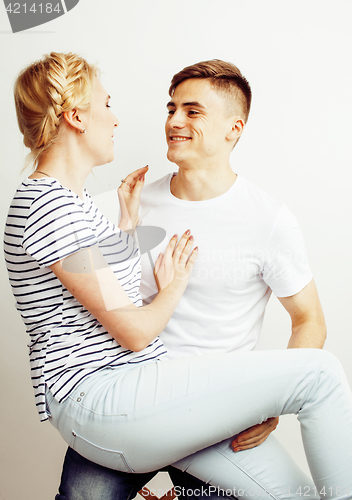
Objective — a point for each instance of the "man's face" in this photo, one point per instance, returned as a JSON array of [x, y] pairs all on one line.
[[197, 125]]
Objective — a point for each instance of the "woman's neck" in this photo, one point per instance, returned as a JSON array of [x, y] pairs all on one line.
[[70, 168]]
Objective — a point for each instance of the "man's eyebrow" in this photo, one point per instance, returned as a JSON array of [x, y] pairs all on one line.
[[186, 104]]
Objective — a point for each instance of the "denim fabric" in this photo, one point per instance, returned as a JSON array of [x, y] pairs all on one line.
[[82, 479], [153, 415]]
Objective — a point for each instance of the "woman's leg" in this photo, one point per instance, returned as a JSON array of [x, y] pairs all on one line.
[[266, 472], [161, 412]]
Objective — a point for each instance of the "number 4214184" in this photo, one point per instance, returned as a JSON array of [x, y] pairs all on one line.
[[25, 8]]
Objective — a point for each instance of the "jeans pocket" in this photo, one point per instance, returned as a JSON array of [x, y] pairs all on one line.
[[112, 459]]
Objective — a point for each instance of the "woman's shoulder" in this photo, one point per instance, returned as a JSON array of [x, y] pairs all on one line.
[[43, 196], [34, 189]]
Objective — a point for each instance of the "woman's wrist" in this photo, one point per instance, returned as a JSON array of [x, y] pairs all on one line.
[[126, 223]]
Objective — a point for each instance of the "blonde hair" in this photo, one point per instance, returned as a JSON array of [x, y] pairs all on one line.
[[43, 91]]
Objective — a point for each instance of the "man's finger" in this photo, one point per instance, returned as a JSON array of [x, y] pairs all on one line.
[[255, 435], [250, 446]]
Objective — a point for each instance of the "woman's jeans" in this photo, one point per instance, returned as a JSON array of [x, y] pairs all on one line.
[[143, 418]]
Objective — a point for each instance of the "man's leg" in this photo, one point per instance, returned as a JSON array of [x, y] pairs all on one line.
[[188, 487], [82, 479]]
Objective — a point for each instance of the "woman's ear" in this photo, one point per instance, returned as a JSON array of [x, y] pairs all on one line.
[[72, 118]]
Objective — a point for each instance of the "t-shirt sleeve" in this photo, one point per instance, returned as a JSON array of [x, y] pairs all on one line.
[[286, 269], [56, 227]]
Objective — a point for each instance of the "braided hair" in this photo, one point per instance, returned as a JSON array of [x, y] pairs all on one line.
[[43, 91]]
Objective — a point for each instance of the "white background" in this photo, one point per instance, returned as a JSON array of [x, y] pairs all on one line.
[[297, 146]]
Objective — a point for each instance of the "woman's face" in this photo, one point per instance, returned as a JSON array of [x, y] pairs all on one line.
[[99, 122]]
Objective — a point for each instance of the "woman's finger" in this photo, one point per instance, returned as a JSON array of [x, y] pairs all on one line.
[[134, 176], [192, 259], [136, 193], [171, 247], [186, 251], [181, 245], [158, 263]]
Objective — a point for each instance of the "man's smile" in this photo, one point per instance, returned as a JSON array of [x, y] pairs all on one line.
[[179, 138]]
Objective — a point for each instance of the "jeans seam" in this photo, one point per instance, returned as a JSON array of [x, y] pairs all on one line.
[[103, 449], [247, 474]]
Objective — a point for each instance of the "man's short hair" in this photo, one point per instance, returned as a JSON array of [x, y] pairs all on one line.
[[223, 76]]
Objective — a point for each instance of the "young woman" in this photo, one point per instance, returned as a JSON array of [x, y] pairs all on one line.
[[96, 358]]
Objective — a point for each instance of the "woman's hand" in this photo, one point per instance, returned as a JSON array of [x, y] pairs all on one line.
[[175, 266], [129, 193]]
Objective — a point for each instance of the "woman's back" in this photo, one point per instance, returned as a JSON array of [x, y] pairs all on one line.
[[46, 223]]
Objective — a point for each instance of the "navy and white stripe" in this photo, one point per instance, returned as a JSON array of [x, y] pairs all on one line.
[[46, 223]]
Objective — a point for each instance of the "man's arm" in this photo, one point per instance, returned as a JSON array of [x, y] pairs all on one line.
[[308, 330], [308, 323]]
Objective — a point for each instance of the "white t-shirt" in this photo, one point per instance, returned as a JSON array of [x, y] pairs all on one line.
[[46, 223], [249, 245]]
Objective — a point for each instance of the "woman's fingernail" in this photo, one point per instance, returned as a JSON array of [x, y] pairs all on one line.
[[191, 238], [141, 178], [175, 236], [188, 231]]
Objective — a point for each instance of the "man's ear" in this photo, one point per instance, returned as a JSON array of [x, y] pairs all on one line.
[[237, 126], [73, 119]]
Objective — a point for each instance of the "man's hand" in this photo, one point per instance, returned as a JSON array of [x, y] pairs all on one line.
[[254, 436]]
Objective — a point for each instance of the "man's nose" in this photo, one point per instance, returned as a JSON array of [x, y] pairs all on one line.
[[177, 120]]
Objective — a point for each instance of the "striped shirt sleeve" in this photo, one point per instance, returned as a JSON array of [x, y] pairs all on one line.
[[56, 227]]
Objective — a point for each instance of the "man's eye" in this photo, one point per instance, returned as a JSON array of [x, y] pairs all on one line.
[[170, 112], [108, 106], [193, 112]]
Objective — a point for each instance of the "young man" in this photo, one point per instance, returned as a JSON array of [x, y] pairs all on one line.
[[249, 246]]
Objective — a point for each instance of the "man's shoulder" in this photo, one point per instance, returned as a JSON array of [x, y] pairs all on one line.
[[258, 193], [255, 198]]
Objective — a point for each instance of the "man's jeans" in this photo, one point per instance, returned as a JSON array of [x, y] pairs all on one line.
[[84, 480]]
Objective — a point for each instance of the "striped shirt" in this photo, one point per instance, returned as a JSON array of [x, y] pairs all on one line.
[[45, 224]]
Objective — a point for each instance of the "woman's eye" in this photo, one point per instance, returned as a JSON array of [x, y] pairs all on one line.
[[108, 106]]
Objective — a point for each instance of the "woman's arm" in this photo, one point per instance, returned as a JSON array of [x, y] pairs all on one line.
[[129, 194], [87, 276]]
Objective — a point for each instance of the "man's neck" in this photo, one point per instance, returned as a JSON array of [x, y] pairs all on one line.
[[198, 185]]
